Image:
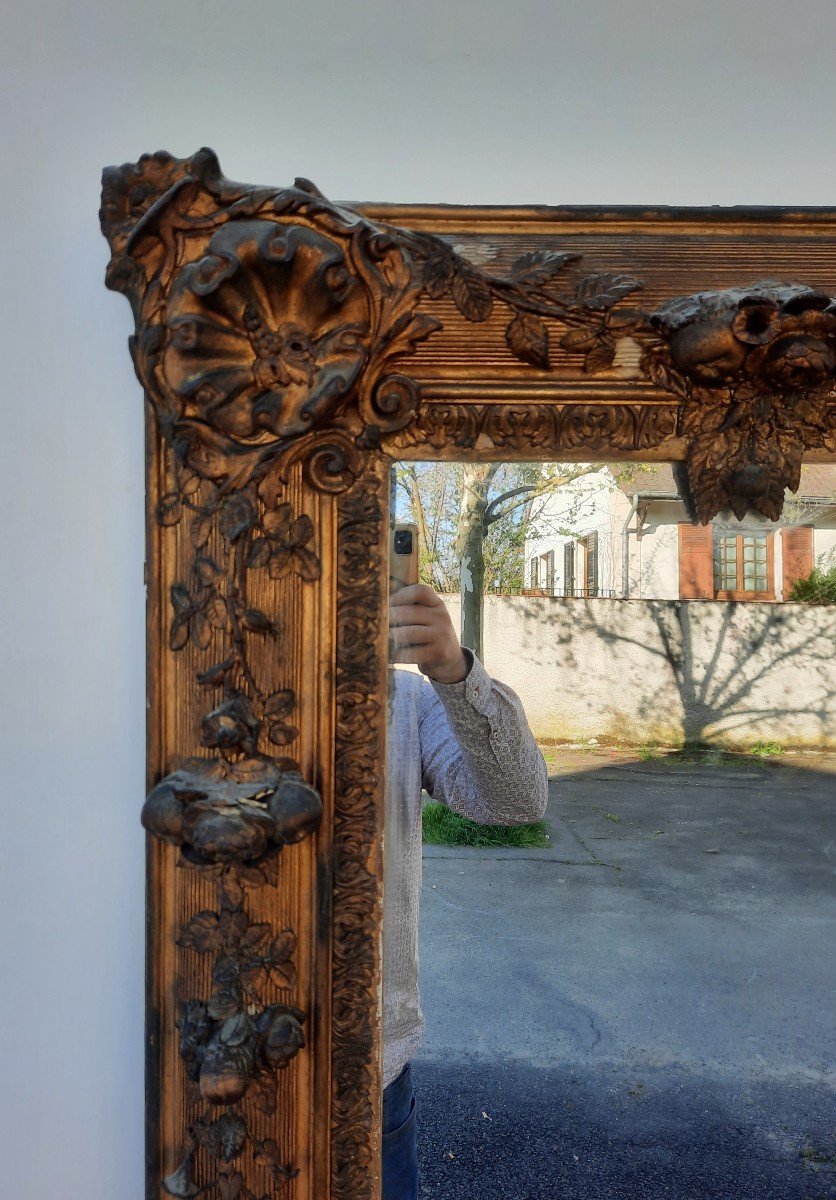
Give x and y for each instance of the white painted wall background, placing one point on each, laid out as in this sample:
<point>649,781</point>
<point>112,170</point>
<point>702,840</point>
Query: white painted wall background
<point>716,102</point>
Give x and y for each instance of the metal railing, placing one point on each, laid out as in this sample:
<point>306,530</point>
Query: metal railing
<point>553,590</point>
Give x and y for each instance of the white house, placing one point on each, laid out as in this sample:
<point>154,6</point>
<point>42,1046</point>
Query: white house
<point>622,532</point>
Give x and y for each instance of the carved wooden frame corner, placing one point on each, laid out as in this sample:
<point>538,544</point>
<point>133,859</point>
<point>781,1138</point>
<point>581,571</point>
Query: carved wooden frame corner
<point>289,348</point>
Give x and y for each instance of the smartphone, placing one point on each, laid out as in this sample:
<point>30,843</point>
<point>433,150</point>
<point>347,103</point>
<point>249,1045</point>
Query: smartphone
<point>403,556</point>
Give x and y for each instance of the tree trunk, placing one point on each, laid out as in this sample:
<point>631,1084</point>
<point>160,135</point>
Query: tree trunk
<point>470,549</point>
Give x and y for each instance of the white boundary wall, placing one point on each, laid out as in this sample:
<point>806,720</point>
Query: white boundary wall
<point>639,671</point>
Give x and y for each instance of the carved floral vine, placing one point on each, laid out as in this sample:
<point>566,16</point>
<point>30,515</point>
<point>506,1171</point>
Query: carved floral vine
<point>232,1045</point>
<point>535,290</point>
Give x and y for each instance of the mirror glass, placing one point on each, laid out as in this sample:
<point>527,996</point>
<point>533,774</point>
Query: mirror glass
<point>609,838</point>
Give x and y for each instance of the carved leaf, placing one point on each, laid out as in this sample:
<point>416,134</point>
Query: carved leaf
<point>602,291</point>
<point>180,598</point>
<point>528,339</point>
<point>540,266</point>
<point>279,704</point>
<point>280,564</point>
<point>179,633</point>
<point>599,358</point>
<point>180,1183</point>
<point>206,570</point>
<point>258,554</point>
<point>237,516</point>
<point>302,530</point>
<point>625,320</point>
<point>282,735</point>
<point>279,959</point>
<point>471,294</point>
<point>418,330</point>
<point>253,975</point>
<point>256,876</point>
<point>201,528</point>
<point>201,933</point>
<point>268,1155</point>
<point>234,923</point>
<point>236,1030</point>
<point>579,339</point>
<point>282,947</point>
<point>255,938</point>
<point>224,1003</point>
<point>438,275</point>
<point>189,482</point>
<point>231,888</point>
<point>169,509</point>
<point>258,622</point>
<point>225,971</point>
<point>284,974</point>
<point>263,1093</point>
<point>277,520</point>
<point>202,630</point>
<point>310,567</point>
<point>229,1132</point>
<point>230,1187</point>
<point>216,613</point>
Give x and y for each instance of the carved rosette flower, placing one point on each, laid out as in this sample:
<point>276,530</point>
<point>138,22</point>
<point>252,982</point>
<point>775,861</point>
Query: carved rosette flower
<point>224,812</point>
<point>267,332</point>
<point>783,336</point>
<point>755,367</point>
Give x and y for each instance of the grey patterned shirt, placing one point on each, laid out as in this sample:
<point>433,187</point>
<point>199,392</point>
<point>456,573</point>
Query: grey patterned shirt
<point>468,744</point>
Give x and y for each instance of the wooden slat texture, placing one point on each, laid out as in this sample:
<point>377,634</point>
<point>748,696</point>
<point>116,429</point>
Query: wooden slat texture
<point>696,562</point>
<point>796,555</point>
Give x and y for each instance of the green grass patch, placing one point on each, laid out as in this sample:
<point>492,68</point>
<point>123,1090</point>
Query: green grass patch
<point>445,828</point>
<point>767,749</point>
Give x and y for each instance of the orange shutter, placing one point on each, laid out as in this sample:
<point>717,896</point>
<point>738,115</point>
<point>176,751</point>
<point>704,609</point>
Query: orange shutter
<point>696,562</point>
<point>797,554</point>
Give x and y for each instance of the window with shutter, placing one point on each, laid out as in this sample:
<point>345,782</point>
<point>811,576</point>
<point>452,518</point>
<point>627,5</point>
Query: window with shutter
<point>744,565</point>
<point>548,571</point>
<point>796,555</point>
<point>591,542</point>
<point>696,562</point>
<point>569,569</point>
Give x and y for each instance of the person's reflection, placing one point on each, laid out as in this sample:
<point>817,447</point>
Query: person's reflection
<point>463,737</point>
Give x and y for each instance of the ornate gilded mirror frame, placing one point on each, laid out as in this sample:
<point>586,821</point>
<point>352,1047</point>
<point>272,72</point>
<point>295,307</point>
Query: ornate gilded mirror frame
<point>289,348</point>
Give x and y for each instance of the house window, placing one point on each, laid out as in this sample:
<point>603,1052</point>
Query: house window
<point>534,572</point>
<point>590,554</point>
<point>548,570</point>
<point>743,566</point>
<point>569,568</point>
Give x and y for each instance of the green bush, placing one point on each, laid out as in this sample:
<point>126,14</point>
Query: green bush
<point>819,587</point>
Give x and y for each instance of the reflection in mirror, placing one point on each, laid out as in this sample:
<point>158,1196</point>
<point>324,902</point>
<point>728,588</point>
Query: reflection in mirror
<point>618,898</point>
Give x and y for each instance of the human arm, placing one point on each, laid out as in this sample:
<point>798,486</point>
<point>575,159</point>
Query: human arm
<point>478,755</point>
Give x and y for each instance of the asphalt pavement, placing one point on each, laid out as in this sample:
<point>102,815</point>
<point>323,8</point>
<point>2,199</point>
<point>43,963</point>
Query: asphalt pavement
<point>646,1008</point>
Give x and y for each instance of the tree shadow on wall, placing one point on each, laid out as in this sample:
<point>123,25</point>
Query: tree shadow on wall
<point>720,673</point>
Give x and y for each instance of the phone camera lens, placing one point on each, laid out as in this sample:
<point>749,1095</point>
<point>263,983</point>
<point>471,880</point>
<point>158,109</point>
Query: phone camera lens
<point>403,541</point>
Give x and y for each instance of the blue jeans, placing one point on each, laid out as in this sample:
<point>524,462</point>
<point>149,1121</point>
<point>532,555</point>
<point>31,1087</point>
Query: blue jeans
<point>400,1142</point>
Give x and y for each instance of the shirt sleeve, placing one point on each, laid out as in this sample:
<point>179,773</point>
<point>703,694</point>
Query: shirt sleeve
<point>478,755</point>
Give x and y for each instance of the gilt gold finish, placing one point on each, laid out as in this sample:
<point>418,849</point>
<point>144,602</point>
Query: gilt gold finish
<point>288,349</point>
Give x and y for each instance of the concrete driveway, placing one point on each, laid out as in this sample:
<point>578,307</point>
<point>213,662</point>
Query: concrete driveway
<point>646,1008</point>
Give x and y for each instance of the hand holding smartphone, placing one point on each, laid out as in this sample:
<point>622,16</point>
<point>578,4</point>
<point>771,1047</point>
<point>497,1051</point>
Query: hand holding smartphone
<point>403,562</point>
<point>403,556</point>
